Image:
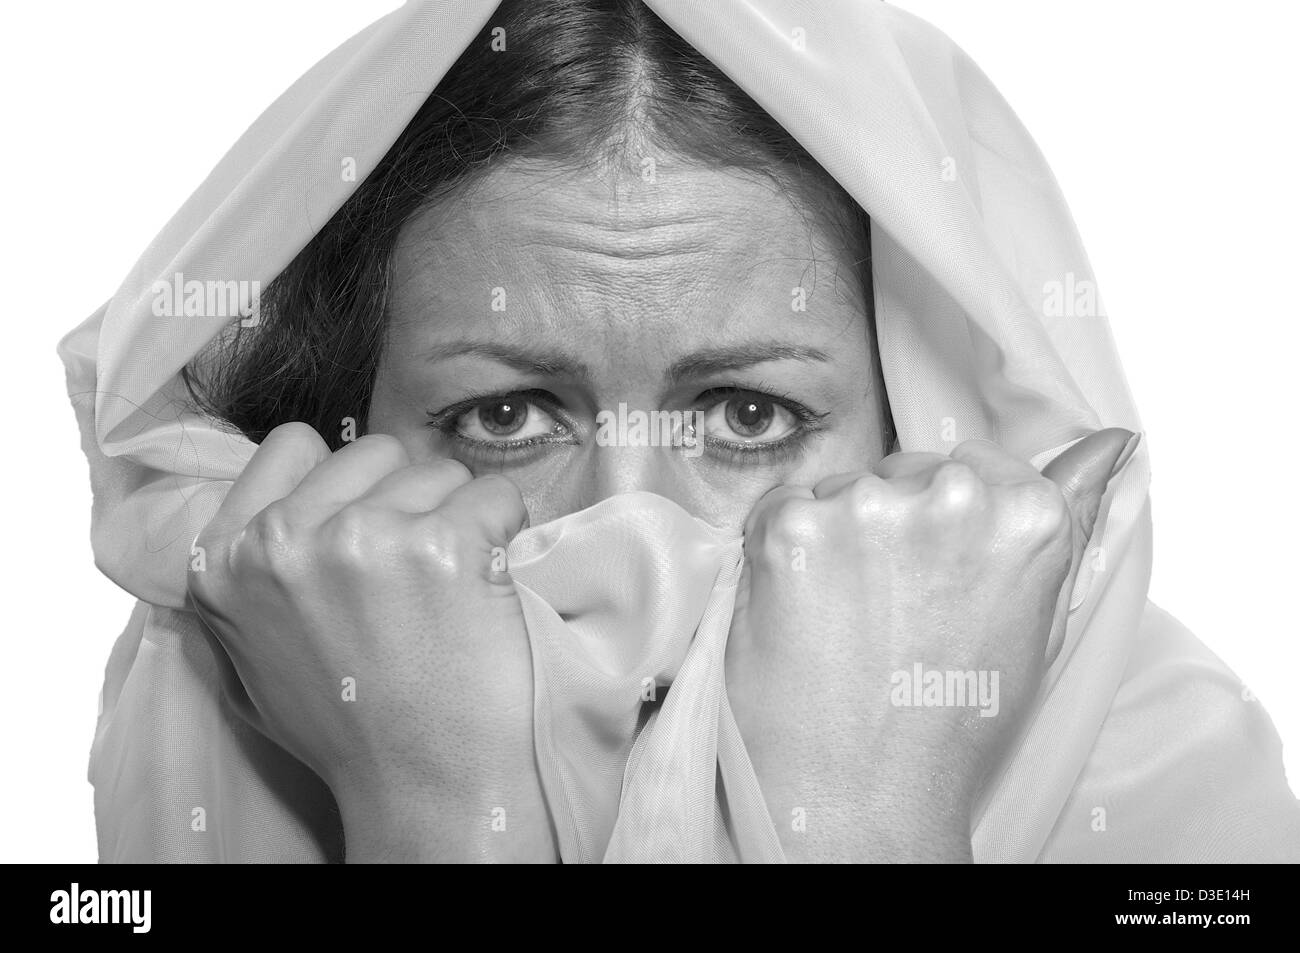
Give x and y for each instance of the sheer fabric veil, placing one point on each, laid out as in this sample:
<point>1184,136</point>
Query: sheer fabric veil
<point>1141,746</point>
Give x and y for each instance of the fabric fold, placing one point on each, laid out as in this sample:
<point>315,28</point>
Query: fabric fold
<point>989,325</point>
<point>625,602</point>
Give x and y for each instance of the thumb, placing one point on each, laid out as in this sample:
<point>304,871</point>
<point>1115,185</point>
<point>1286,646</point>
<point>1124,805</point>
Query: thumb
<point>490,513</point>
<point>1083,471</point>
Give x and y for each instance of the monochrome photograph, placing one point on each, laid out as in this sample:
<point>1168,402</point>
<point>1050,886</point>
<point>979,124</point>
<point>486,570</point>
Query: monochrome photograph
<point>653,431</point>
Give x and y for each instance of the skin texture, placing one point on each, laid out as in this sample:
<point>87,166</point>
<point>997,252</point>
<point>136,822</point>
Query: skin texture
<point>376,562</point>
<point>621,279</point>
<point>960,563</point>
<point>327,571</point>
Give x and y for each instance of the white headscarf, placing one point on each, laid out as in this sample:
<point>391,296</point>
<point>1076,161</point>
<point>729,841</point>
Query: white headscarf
<point>1141,745</point>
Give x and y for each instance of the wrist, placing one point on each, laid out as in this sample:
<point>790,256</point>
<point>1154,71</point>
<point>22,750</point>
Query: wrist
<point>405,822</point>
<point>889,815</point>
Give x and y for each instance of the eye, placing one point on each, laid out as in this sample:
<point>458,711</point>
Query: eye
<point>746,417</point>
<point>506,420</point>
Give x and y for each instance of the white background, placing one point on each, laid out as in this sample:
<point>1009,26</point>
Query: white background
<point>1171,127</point>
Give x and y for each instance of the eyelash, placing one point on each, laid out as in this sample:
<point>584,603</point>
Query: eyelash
<point>444,421</point>
<point>778,451</point>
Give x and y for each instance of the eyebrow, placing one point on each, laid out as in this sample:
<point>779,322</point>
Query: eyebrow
<point>521,359</point>
<point>717,360</point>
<point>699,364</point>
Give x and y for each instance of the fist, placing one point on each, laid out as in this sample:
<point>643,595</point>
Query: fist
<point>366,608</point>
<point>891,630</point>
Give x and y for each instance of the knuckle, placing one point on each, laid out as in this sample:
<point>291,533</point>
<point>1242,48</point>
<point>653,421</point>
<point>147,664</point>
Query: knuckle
<point>458,473</point>
<point>498,485</point>
<point>866,499</point>
<point>791,523</point>
<point>266,543</point>
<point>972,447</point>
<point>438,545</point>
<point>349,537</point>
<point>954,486</point>
<point>294,436</point>
<point>1043,511</point>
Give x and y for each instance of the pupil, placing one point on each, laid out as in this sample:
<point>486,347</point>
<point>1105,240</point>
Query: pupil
<point>750,416</point>
<point>504,417</point>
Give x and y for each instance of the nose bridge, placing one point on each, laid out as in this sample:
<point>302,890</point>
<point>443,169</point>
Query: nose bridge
<point>626,468</point>
<point>636,445</point>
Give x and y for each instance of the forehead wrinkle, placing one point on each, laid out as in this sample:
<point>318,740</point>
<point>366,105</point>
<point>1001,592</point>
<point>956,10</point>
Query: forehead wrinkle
<point>610,212</point>
<point>660,240</point>
<point>627,259</point>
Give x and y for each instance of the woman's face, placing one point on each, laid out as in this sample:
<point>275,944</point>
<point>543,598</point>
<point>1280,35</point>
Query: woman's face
<point>543,322</point>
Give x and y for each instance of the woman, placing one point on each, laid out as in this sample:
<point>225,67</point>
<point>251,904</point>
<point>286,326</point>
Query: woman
<point>643,430</point>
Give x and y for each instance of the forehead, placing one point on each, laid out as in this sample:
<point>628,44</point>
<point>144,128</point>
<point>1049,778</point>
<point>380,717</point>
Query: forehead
<point>603,258</point>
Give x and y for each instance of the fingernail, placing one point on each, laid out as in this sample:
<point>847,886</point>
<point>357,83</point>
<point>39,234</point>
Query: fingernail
<point>1126,454</point>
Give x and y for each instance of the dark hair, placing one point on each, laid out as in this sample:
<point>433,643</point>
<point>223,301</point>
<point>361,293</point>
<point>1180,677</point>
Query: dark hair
<point>578,82</point>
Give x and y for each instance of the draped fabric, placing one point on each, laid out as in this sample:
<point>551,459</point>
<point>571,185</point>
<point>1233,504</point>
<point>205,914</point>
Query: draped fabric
<point>1141,745</point>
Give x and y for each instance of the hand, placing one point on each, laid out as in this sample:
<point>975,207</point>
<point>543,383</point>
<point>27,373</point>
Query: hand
<point>960,564</point>
<point>358,599</point>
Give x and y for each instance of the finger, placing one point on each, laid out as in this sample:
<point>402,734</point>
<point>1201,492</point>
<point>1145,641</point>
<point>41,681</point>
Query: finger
<point>771,501</point>
<point>1083,471</point>
<point>346,475</point>
<point>284,458</point>
<point>489,509</point>
<point>834,484</point>
<point>419,488</point>
<point>993,464</point>
<point>901,465</point>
